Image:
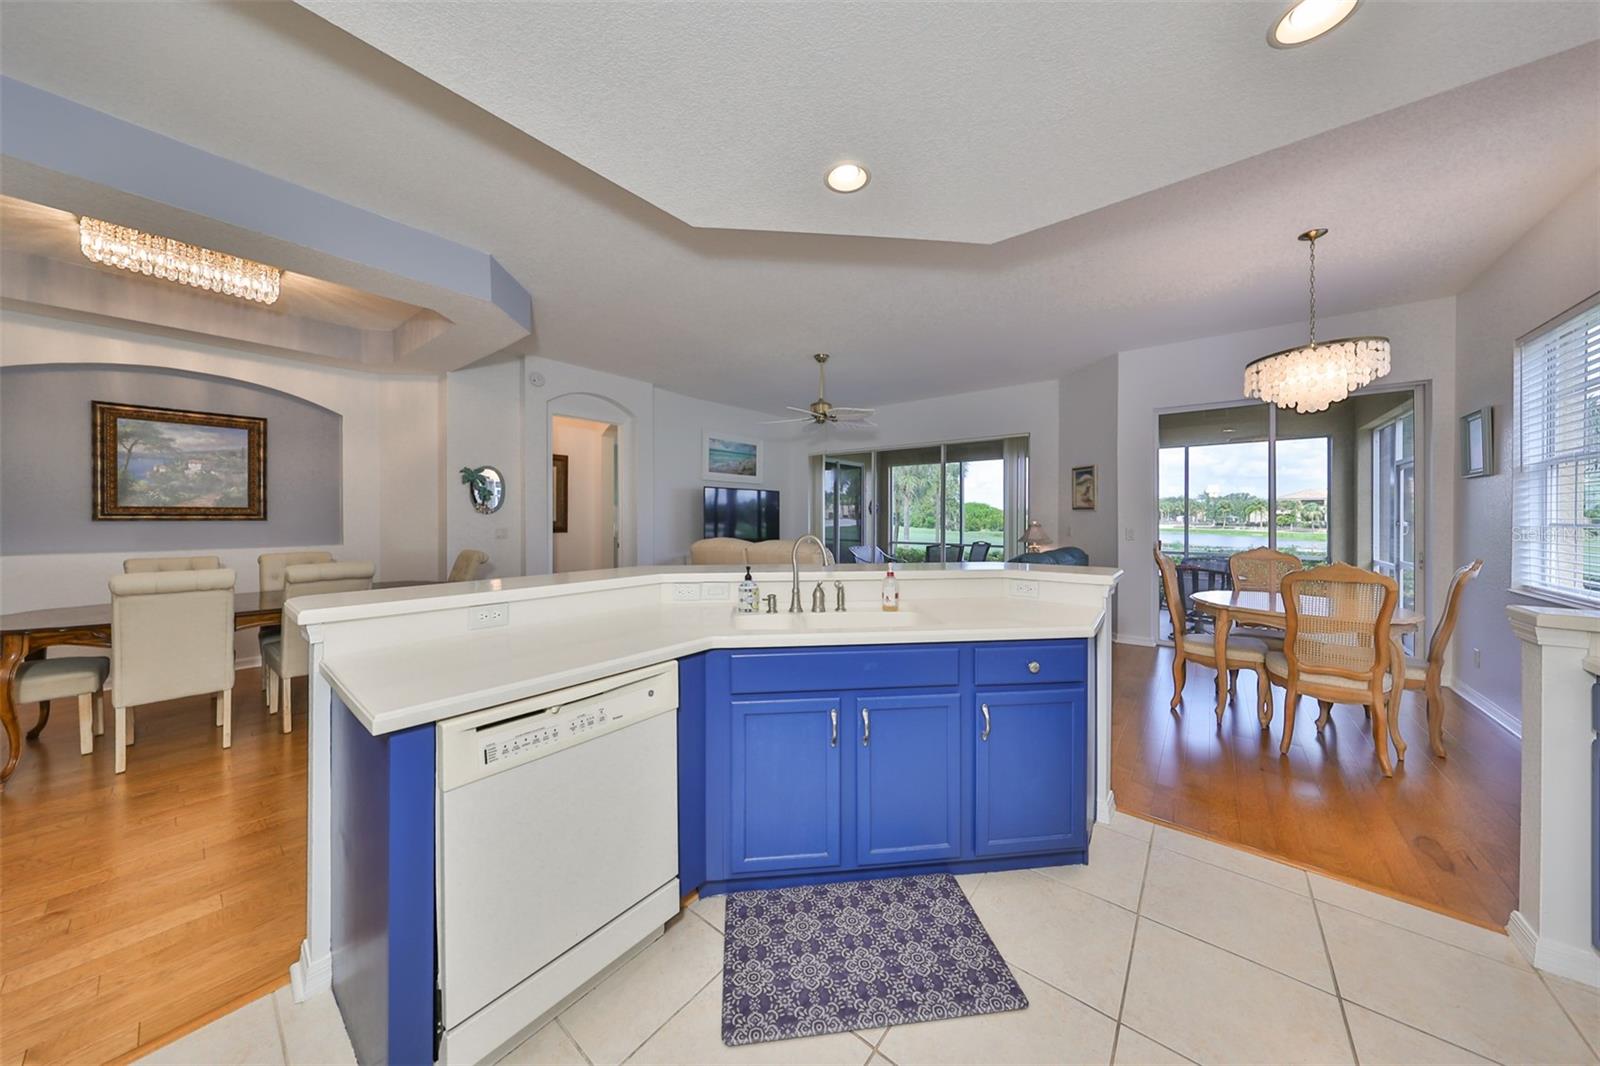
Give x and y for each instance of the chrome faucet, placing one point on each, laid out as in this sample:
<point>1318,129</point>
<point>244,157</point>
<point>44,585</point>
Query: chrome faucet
<point>794,565</point>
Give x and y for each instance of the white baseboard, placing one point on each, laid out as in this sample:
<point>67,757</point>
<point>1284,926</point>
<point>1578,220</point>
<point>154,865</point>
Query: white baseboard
<point>310,977</point>
<point>1137,639</point>
<point>1488,708</point>
<point>1579,963</point>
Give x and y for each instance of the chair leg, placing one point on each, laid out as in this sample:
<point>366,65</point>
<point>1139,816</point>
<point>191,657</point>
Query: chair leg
<point>216,715</point>
<point>285,688</point>
<point>1233,681</point>
<point>1380,729</point>
<point>133,720</point>
<point>100,713</point>
<point>225,710</point>
<point>121,739</point>
<point>1180,670</point>
<point>1435,717</point>
<point>1325,712</point>
<point>1396,694</point>
<point>1263,698</point>
<point>269,686</point>
<point>44,718</point>
<point>85,724</point>
<point>1291,698</point>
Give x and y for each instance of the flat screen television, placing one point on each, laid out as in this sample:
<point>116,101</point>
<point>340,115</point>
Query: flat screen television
<point>749,514</point>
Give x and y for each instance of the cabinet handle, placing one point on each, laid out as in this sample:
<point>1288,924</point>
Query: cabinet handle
<point>866,727</point>
<point>833,719</point>
<point>1033,666</point>
<point>984,707</point>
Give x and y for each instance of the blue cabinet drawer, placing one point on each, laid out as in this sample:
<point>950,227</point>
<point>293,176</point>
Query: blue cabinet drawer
<point>828,669</point>
<point>1058,663</point>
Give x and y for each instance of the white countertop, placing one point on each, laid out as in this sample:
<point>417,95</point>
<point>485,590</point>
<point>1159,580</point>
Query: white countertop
<point>400,685</point>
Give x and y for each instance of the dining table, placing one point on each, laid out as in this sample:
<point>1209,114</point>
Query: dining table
<point>1261,608</point>
<point>26,634</point>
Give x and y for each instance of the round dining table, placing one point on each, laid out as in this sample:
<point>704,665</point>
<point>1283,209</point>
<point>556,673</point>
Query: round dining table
<point>1228,606</point>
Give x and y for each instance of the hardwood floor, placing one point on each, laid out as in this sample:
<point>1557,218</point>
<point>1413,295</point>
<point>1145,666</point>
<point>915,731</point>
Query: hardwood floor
<point>133,906</point>
<point>1443,833</point>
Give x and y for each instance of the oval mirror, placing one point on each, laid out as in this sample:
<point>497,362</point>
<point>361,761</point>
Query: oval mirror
<point>486,487</point>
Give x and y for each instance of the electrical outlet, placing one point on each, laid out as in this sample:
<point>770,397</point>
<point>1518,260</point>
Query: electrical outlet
<point>713,590</point>
<point>489,615</point>
<point>1477,658</point>
<point>1129,534</point>
<point>1026,590</point>
<point>502,533</point>
<point>685,593</point>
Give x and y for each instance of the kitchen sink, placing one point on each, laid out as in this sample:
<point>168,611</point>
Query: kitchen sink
<point>785,622</point>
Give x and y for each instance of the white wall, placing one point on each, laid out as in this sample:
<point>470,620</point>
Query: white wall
<point>1552,267</point>
<point>390,439</point>
<point>584,546</point>
<point>1210,370</point>
<point>484,427</point>
<point>1089,437</point>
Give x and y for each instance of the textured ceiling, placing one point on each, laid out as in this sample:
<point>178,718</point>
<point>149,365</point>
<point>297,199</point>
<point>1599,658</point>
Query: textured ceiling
<point>1419,200</point>
<point>978,121</point>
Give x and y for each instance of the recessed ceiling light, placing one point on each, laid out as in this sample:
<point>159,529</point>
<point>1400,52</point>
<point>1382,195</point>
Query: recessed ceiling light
<point>1308,20</point>
<point>848,177</point>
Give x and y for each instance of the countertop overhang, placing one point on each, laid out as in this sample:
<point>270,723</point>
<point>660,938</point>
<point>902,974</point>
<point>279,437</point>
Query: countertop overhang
<point>398,684</point>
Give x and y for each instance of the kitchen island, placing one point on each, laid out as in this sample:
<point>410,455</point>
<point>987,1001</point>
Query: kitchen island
<point>968,731</point>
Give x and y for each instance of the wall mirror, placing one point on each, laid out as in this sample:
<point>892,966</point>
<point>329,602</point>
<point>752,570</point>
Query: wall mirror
<point>485,486</point>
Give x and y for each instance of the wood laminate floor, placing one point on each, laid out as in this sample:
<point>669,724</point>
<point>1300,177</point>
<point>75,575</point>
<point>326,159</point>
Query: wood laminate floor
<point>1441,832</point>
<point>134,906</point>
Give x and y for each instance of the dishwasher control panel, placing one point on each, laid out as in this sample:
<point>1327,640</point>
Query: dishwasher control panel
<point>473,746</point>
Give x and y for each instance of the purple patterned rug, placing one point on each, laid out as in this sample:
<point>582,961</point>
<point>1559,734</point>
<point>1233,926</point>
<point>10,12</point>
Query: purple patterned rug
<point>817,959</point>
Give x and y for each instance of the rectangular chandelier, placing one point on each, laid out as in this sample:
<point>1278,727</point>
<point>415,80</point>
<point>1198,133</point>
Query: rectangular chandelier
<point>189,264</point>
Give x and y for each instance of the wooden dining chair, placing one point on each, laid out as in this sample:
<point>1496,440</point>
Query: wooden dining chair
<point>1262,570</point>
<point>1337,649</point>
<point>1425,676</point>
<point>1244,653</point>
<point>465,568</point>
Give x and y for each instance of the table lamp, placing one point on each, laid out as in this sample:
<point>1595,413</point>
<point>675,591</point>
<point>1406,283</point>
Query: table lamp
<point>1034,538</point>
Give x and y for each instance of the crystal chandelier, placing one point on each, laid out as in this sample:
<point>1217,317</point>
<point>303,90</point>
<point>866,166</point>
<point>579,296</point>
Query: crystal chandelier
<point>1313,377</point>
<point>163,257</point>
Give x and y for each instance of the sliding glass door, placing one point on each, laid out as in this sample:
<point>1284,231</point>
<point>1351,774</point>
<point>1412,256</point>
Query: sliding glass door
<point>950,502</point>
<point>843,492</point>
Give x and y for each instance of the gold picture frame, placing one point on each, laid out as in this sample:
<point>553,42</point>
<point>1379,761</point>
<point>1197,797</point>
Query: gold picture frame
<point>1083,488</point>
<point>165,464</point>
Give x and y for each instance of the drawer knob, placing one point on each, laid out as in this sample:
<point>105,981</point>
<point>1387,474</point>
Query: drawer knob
<point>1033,666</point>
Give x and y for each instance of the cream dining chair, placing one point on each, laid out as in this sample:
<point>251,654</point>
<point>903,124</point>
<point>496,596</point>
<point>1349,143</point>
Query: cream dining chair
<point>1425,676</point>
<point>165,563</point>
<point>171,636</point>
<point>466,565</point>
<point>1244,653</point>
<point>1337,648</point>
<point>270,569</point>
<point>1261,570</point>
<point>288,656</point>
<point>79,676</point>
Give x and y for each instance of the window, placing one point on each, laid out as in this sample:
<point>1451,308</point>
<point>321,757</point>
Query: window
<point>1555,535</point>
<point>957,501</point>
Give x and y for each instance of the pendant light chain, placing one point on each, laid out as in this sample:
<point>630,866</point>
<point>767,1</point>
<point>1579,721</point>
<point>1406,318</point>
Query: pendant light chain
<point>1313,243</point>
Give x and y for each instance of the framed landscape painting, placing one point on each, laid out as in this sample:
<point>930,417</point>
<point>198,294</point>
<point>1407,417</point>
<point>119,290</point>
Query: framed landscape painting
<point>1083,488</point>
<point>153,462</point>
<point>726,457</point>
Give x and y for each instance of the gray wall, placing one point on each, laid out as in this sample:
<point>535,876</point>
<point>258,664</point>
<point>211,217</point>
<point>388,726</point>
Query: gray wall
<point>1088,401</point>
<point>46,464</point>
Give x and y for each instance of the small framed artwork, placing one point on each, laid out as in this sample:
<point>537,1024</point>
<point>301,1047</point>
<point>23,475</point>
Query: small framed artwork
<point>1083,488</point>
<point>1477,443</point>
<point>165,464</point>
<point>729,457</point>
<point>558,483</point>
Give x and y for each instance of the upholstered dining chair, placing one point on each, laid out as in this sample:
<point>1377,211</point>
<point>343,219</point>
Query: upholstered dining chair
<point>270,569</point>
<point>164,563</point>
<point>465,568</point>
<point>1425,676</point>
<point>81,677</point>
<point>1244,653</point>
<point>1336,648</point>
<point>1261,570</point>
<point>171,636</point>
<point>288,656</point>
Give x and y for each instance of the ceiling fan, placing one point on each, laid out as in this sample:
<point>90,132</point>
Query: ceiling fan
<point>823,413</point>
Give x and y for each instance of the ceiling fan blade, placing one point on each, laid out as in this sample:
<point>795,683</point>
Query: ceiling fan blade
<point>785,421</point>
<point>808,412</point>
<point>851,414</point>
<point>856,423</point>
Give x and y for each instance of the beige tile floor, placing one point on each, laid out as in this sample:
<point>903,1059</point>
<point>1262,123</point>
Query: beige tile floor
<point>1166,948</point>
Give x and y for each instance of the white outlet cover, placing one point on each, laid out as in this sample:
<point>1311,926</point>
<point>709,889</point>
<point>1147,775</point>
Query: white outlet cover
<point>714,590</point>
<point>1028,590</point>
<point>685,593</point>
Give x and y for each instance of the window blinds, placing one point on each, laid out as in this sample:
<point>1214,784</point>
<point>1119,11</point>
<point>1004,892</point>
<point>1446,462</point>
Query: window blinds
<point>1555,536</point>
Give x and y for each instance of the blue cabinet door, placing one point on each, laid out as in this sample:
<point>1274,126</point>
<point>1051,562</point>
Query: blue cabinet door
<point>908,778</point>
<point>785,787</point>
<point>1029,771</point>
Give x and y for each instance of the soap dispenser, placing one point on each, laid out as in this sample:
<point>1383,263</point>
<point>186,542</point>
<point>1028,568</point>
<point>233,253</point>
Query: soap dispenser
<point>749,593</point>
<point>891,591</point>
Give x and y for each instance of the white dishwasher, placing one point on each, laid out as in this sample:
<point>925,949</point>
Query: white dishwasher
<point>558,849</point>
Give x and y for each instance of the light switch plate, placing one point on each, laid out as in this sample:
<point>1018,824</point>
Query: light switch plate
<point>713,590</point>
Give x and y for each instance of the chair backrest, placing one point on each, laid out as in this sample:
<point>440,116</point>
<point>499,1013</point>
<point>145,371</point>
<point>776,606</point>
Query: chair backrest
<point>171,635</point>
<point>943,553</point>
<point>978,551</point>
<point>1172,596</point>
<point>465,568</point>
<point>1261,569</point>
<point>1338,620</point>
<point>862,554</point>
<point>316,579</point>
<point>273,564</point>
<point>166,563</point>
<point>1452,606</point>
